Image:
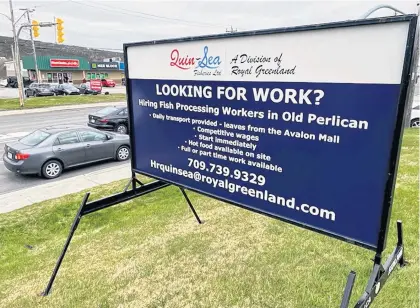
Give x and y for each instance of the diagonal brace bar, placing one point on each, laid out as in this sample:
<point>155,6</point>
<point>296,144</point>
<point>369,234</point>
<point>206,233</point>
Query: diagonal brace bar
<point>348,290</point>
<point>133,180</point>
<point>190,205</point>
<point>66,245</point>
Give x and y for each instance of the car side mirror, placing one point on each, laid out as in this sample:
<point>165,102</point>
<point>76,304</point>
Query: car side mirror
<point>108,137</point>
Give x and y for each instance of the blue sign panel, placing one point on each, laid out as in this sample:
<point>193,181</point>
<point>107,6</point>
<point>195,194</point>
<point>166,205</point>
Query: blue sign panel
<point>301,136</point>
<point>122,66</point>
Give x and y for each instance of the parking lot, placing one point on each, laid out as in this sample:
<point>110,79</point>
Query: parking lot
<point>13,92</point>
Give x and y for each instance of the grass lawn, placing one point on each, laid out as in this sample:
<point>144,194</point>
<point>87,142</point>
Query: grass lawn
<point>150,252</point>
<point>51,101</point>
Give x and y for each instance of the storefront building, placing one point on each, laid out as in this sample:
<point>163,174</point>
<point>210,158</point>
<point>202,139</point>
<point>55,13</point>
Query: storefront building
<point>56,69</point>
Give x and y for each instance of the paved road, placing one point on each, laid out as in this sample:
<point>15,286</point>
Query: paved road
<point>13,92</point>
<point>15,126</point>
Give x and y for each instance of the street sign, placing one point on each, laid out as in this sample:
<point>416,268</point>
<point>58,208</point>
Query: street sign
<point>301,124</point>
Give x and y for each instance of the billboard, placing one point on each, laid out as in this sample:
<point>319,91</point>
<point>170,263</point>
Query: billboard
<point>302,124</point>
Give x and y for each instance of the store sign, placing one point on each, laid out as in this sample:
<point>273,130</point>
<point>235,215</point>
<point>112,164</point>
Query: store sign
<point>105,65</point>
<point>69,63</point>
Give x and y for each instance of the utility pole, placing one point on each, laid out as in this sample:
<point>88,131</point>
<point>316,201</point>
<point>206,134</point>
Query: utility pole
<point>27,10</point>
<point>17,57</point>
<point>13,57</point>
<point>55,32</point>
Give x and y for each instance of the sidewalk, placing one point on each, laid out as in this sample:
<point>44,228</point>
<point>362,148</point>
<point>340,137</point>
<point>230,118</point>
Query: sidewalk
<point>63,107</point>
<point>49,190</point>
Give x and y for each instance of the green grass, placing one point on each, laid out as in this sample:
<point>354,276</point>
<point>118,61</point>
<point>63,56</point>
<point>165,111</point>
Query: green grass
<point>150,252</point>
<point>51,101</point>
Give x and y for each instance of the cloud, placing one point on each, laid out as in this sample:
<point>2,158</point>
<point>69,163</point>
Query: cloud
<point>107,23</point>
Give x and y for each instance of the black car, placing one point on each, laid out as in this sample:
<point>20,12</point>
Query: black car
<point>13,83</point>
<point>111,119</point>
<point>66,89</point>
<point>85,88</point>
<point>39,89</point>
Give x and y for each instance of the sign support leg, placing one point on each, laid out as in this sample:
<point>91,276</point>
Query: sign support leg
<point>348,289</point>
<point>66,245</point>
<point>379,274</point>
<point>190,205</point>
<point>133,180</point>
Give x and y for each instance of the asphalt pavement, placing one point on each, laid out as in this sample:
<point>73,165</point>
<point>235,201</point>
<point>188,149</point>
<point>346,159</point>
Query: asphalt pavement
<point>13,127</point>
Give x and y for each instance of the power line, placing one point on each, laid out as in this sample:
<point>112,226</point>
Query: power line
<point>169,18</point>
<point>146,15</point>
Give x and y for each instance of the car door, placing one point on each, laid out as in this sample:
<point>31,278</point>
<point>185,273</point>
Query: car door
<point>60,90</point>
<point>97,145</point>
<point>30,91</point>
<point>69,148</point>
<point>123,116</point>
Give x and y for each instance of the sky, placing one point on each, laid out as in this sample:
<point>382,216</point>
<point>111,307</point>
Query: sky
<point>108,24</point>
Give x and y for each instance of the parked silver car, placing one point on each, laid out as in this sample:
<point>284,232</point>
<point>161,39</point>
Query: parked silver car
<point>50,150</point>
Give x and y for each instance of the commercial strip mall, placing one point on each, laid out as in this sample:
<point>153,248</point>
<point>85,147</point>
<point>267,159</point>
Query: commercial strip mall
<point>61,69</point>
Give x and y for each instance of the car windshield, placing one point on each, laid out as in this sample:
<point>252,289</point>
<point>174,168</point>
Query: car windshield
<point>106,110</point>
<point>34,138</point>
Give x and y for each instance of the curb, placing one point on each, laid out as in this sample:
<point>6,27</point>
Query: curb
<point>21,198</point>
<point>57,108</point>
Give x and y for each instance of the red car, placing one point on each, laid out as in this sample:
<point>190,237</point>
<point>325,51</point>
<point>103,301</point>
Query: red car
<point>108,83</point>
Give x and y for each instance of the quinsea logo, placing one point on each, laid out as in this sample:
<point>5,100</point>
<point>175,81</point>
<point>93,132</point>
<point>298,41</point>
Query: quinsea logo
<point>204,65</point>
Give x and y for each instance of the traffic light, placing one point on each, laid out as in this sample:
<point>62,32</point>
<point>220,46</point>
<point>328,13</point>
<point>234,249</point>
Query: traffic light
<point>59,27</point>
<point>35,28</point>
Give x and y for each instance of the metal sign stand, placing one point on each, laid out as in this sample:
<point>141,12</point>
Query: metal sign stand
<point>378,277</point>
<point>91,207</point>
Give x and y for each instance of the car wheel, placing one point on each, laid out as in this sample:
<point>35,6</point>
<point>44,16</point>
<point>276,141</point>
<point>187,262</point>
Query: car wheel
<point>35,95</point>
<point>415,123</point>
<point>121,129</point>
<point>123,153</point>
<point>54,94</point>
<point>52,169</point>
<point>26,94</point>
